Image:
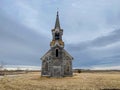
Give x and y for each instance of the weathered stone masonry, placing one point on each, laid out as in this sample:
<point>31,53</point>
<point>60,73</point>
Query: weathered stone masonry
<point>57,62</point>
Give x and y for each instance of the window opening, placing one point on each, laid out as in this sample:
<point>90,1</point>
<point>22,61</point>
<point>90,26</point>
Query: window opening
<point>56,52</point>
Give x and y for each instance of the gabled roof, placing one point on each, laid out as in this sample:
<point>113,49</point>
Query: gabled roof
<point>49,51</point>
<point>68,54</point>
<point>45,54</point>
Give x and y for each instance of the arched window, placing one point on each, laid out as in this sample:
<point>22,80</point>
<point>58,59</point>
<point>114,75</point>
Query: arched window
<point>68,67</point>
<point>46,66</point>
<point>56,52</point>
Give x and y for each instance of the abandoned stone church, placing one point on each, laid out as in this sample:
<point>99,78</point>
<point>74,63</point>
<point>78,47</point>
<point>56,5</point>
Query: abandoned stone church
<point>57,62</point>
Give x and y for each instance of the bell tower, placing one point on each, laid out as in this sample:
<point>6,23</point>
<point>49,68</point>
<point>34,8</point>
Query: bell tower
<point>57,33</point>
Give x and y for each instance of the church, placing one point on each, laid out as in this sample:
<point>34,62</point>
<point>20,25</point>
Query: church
<point>57,62</point>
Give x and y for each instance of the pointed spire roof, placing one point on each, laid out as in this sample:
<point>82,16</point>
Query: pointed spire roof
<point>57,23</point>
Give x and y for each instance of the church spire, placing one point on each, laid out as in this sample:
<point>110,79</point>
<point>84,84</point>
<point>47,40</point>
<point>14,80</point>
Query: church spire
<point>57,23</point>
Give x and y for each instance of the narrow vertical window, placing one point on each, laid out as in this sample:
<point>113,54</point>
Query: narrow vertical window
<point>56,52</point>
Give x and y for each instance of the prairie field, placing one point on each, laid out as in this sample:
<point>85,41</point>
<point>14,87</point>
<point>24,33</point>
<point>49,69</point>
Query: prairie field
<point>79,81</point>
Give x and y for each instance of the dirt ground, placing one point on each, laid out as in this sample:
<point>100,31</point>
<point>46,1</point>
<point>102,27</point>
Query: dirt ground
<point>80,81</point>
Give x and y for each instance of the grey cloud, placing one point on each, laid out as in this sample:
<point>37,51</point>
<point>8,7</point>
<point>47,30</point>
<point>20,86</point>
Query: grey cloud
<point>20,45</point>
<point>102,41</point>
<point>80,20</point>
<point>108,39</point>
<point>95,52</point>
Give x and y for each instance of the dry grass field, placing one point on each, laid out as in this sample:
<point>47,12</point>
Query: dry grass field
<point>80,81</point>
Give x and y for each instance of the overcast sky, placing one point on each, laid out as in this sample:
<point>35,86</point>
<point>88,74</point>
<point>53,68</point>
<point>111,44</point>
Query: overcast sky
<point>91,31</point>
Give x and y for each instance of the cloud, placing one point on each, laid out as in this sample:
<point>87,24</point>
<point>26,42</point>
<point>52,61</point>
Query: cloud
<point>91,30</point>
<point>21,67</point>
<point>103,41</point>
<point>102,50</point>
<point>87,20</point>
<point>106,67</point>
<point>20,45</point>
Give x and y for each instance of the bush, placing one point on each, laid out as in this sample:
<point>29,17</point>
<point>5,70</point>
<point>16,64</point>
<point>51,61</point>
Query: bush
<point>79,71</point>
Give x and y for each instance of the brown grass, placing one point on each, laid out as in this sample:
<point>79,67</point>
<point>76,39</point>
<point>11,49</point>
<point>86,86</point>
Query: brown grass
<point>82,81</point>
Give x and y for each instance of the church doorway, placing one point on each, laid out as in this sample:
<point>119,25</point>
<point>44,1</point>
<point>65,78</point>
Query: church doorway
<point>56,71</point>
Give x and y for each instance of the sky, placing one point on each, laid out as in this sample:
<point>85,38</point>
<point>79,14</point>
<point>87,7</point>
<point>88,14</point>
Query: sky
<point>91,31</point>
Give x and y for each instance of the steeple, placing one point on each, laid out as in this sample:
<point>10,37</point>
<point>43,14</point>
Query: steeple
<point>57,23</point>
<point>57,33</point>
